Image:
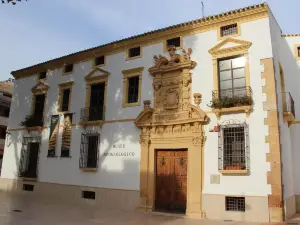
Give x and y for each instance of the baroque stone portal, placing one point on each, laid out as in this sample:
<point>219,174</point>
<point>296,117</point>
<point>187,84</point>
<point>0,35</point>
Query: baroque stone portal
<point>173,123</point>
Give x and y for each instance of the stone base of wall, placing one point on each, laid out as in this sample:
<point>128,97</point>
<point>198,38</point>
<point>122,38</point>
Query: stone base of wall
<point>290,207</point>
<point>49,192</point>
<point>257,209</point>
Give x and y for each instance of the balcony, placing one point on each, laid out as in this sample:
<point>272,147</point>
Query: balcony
<point>288,108</point>
<point>92,115</point>
<point>32,121</point>
<point>232,100</point>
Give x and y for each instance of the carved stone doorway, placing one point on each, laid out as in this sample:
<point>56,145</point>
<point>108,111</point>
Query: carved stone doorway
<point>173,123</point>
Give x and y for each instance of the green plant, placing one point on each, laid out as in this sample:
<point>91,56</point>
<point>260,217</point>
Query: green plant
<point>228,102</point>
<point>31,121</point>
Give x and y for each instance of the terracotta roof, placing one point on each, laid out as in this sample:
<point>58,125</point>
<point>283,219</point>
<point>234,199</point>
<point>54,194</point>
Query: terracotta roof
<point>173,27</point>
<point>6,87</point>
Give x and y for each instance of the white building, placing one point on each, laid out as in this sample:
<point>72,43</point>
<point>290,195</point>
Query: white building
<point>135,124</point>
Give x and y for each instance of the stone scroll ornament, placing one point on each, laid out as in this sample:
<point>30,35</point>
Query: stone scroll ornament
<point>54,127</point>
<point>66,135</point>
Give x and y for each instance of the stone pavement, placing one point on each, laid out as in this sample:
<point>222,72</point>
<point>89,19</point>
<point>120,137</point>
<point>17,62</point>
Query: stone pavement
<point>20,210</point>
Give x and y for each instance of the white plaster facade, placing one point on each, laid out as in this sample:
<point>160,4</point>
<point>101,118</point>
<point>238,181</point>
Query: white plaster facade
<point>122,172</point>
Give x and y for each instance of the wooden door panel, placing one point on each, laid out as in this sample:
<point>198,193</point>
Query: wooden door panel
<point>171,180</point>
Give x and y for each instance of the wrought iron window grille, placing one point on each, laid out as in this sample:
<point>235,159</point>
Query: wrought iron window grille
<point>133,89</point>
<point>89,153</point>
<point>233,145</point>
<point>25,157</point>
<point>235,204</point>
<point>174,42</point>
<point>229,30</point>
<point>133,52</point>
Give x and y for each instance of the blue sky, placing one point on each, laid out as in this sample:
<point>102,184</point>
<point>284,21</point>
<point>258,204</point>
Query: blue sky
<point>39,30</point>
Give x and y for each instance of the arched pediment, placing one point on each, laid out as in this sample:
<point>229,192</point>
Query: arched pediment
<point>230,45</point>
<point>97,73</point>
<point>198,114</point>
<point>40,88</point>
<point>144,118</point>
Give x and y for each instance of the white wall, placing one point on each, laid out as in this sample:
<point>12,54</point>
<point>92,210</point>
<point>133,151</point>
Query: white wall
<point>123,172</point>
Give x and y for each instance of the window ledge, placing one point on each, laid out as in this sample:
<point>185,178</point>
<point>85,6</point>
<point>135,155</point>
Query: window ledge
<point>35,128</point>
<point>54,156</point>
<point>288,117</point>
<point>91,123</point>
<point>125,105</point>
<point>132,58</point>
<point>89,169</point>
<point>28,179</point>
<point>246,109</point>
<point>242,172</point>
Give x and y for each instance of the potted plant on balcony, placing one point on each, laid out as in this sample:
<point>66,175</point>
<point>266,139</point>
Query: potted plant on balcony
<point>31,121</point>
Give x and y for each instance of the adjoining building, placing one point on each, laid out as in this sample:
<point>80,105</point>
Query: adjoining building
<point>198,118</point>
<point>6,88</point>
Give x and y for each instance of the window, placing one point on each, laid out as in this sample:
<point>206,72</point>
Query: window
<point>233,147</point>
<point>68,68</point>
<point>99,61</point>
<point>298,51</point>
<point>133,89</point>
<point>39,107</point>
<point>2,132</point>
<point>4,111</point>
<point>232,81</point>
<point>235,204</point>
<point>132,86</point>
<point>88,194</point>
<point>42,75</point>
<point>174,42</point>
<point>65,100</point>
<point>229,30</point>
<point>89,150</point>
<point>134,52</point>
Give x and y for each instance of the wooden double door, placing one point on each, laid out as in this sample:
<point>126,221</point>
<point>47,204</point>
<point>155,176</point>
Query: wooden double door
<point>171,180</point>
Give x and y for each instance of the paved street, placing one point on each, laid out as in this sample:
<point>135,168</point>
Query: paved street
<point>19,210</point>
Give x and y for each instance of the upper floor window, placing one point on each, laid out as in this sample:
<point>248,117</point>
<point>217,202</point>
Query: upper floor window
<point>233,147</point>
<point>232,81</point>
<point>132,86</point>
<point>298,51</point>
<point>134,52</point>
<point>229,30</point>
<point>133,89</point>
<point>68,68</point>
<point>42,75</point>
<point>65,100</point>
<point>39,106</point>
<point>100,60</point>
<point>4,111</point>
<point>174,42</point>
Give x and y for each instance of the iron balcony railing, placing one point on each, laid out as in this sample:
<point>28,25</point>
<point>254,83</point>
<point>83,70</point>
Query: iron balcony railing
<point>232,97</point>
<point>92,113</point>
<point>288,103</point>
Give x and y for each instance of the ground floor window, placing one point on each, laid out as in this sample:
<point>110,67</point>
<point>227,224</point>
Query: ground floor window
<point>89,149</point>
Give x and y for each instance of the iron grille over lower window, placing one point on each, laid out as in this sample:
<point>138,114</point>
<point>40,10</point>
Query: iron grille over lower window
<point>174,42</point>
<point>133,89</point>
<point>28,187</point>
<point>89,150</point>
<point>133,52</point>
<point>229,30</point>
<point>28,166</point>
<point>235,204</point>
<point>233,147</point>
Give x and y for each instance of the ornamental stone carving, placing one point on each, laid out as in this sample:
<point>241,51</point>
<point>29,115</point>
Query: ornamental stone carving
<point>197,98</point>
<point>171,99</point>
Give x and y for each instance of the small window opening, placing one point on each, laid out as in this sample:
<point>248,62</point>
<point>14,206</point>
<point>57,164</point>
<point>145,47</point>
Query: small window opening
<point>174,42</point>
<point>235,204</point>
<point>28,187</point>
<point>88,194</point>
<point>133,52</point>
<point>229,30</point>
<point>68,68</point>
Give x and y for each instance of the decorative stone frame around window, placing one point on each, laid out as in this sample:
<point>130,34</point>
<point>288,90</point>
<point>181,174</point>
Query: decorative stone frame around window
<point>233,145</point>
<point>129,57</point>
<point>239,48</point>
<point>96,76</point>
<point>165,43</point>
<point>297,51</point>
<point>127,74</point>
<point>238,28</point>
<point>62,87</point>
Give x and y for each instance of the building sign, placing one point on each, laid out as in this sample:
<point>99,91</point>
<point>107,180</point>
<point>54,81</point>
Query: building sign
<point>119,154</point>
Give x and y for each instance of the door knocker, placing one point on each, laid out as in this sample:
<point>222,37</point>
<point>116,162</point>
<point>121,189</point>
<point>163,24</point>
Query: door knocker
<point>163,161</point>
<point>181,161</point>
